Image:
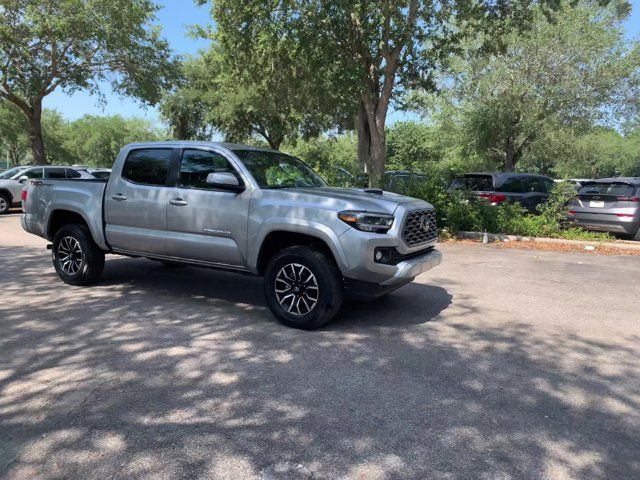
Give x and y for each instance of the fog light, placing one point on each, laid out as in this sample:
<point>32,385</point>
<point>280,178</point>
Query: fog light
<point>378,256</point>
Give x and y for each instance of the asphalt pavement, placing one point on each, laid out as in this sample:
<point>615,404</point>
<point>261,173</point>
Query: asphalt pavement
<point>498,364</point>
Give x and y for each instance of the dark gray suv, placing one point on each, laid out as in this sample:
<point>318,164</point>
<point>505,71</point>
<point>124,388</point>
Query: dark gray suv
<point>608,205</point>
<point>530,190</point>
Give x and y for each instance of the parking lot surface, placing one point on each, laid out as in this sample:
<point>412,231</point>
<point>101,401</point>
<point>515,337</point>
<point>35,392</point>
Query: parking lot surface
<point>498,364</point>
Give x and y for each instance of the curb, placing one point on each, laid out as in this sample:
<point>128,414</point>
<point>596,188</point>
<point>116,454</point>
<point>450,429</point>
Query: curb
<point>493,237</point>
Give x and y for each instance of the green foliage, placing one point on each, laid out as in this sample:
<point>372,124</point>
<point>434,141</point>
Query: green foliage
<point>576,70</point>
<point>459,213</point>
<point>79,44</point>
<point>13,138</point>
<point>74,44</point>
<point>95,141</point>
<point>333,157</point>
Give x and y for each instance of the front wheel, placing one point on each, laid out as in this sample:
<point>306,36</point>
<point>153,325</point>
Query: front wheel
<point>76,257</point>
<point>303,287</point>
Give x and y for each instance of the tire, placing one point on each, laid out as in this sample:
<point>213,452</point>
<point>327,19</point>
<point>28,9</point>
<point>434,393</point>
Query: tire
<point>5,203</point>
<point>73,241</point>
<point>317,298</point>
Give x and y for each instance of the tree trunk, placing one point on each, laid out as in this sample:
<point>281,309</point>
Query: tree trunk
<point>378,160</point>
<point>35,134</point>
<point>364,139</point>
<point>274,143</point>
<point>376,110</point>
<point>509,155</point>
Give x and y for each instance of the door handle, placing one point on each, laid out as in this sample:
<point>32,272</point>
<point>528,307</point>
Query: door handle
<point>178,202</point>
<point>119,197</point>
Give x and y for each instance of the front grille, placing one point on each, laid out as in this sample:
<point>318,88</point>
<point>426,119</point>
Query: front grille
<point>420,227</point>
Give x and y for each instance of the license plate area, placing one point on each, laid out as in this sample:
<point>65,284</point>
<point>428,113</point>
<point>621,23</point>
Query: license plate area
<point>596,203</point>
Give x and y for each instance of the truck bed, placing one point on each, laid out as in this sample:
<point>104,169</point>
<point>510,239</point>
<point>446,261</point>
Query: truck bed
<point>82,196</point>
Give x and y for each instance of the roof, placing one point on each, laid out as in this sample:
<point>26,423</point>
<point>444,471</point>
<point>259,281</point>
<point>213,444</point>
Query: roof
<point>631,180</point>
<point>197,143</point>
<point>505,174</point>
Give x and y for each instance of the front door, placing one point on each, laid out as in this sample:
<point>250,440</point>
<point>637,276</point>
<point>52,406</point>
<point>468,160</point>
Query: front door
<point>136,203</point>
<point>206,224</point>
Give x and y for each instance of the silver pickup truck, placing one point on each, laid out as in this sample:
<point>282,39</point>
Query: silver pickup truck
<point>238,208</point>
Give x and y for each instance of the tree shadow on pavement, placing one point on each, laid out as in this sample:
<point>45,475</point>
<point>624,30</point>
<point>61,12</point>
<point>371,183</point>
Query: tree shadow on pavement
<point>157,373</point>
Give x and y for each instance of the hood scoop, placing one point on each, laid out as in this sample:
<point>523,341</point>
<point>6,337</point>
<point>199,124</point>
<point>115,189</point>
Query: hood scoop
<point>375,191</point>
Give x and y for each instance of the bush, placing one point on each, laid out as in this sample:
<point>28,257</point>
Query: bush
<point>456,212</point>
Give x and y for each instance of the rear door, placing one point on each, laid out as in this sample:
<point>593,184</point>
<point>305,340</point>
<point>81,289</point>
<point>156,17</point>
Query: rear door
<point>136,202</point>
<point>203,223</point>
<point>536,192</point>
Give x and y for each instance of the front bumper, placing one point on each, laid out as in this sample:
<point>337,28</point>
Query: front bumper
<point>359,251</point>
<point>409,269</point>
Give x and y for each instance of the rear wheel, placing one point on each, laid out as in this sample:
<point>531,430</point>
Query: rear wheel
<point>5,203</point>
<point>76,257</point>
<point>303,287</point>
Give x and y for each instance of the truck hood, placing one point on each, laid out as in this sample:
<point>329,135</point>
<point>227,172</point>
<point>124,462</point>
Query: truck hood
<point>349,198</point>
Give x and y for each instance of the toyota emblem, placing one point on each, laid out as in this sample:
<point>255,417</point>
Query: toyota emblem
<point>425,223</point>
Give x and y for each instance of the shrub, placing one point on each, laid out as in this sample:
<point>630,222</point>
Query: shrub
<point>456,212</point>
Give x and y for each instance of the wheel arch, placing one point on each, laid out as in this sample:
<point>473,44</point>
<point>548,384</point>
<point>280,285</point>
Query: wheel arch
<point>277,240</point>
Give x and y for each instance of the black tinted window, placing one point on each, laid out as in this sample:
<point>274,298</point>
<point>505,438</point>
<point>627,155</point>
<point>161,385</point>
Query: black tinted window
<point>148,167</point>
<point>605,188</point>
<point>512,185</point>
<point>197,164</point>
<point>55,173</point>
<point>34,173</point>
<point>477,183</point>
<point>71,173</point>
<point>534,184</point>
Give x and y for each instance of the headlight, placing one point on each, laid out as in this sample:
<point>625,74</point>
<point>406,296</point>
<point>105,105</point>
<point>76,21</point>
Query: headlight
<point>367,221</point>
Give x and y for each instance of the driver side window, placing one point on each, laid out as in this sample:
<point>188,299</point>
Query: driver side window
<point>198,164</point>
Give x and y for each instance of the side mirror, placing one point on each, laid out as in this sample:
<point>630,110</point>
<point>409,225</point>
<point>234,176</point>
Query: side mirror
<point>224,181</point>
<point>23,179</point>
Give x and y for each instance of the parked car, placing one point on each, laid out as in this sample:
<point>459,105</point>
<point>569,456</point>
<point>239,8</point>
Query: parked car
<point>530,190</point>
<point>13,181</point>
<point>243,209</point>
<point>608,205</point>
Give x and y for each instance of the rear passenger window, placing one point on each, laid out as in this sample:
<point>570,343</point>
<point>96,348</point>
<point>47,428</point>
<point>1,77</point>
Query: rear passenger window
<point>55,173</point>
<point>198,164</point>
<point>71,173</point>
<point>512,185</point>
<point>147,167</point>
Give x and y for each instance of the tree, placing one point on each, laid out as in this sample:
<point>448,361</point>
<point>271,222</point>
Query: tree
<point>184,107</point>
<point>13,134</point>
<point>96,140</point>
<point>77,44</point>
<point>271,96</point>
<point>577,70</point>
<point>368,50</point>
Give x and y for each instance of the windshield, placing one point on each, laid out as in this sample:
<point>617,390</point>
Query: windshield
<point>12,172</point>
<point>606,188</point>
<point>277,170</point>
